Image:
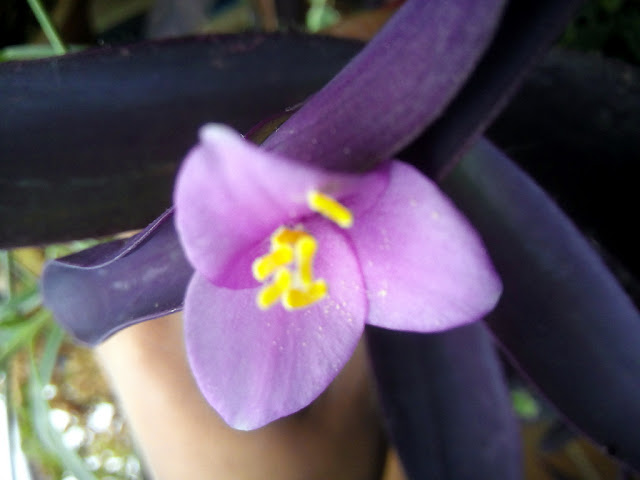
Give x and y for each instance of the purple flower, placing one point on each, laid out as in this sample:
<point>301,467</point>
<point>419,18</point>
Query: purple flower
<point>291,261</point>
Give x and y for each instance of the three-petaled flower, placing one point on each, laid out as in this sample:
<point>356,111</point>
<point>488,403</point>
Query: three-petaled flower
<point>291,261</point>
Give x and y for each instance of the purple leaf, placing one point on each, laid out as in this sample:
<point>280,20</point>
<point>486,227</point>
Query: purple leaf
<point>446,404</point>
<point>399,84</point>
<point>574,128</point>
<point>99,291</point>
<point>91,135</point>
<point>528,28</point>
<point>562,318</point>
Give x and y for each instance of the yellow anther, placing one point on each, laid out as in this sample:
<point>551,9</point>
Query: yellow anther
<point>290,260</point>
<point>330,208</point>
<point>286,236</point>
<point>294,298</point>
<point>264,266</point>
<point>271,293</point>
<point>305,250</point>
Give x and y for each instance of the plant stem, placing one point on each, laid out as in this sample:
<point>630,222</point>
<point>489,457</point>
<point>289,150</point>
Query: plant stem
<point>47,27</point>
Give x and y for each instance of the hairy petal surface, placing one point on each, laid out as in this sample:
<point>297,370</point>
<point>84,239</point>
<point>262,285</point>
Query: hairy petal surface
<point>255,366</point>
<point>230,195</point>
<point>425,267</point>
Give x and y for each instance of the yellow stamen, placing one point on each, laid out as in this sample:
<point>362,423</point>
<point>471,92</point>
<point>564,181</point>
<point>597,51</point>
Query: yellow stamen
<point>294,298</point>
<point>264,266</point>
<point>290,260</point>
<point>286,236</point>
<point>330,208</point>
<point>305,250</point>
<point>270,293</point>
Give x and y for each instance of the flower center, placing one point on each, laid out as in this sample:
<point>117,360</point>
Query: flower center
<point>287,270</point>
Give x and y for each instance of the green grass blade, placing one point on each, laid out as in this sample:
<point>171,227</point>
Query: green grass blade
<point>48,435</point>
<point>22,304</point>
<point>18,333</point>
<point>47,27</point>
<point>50,353</point>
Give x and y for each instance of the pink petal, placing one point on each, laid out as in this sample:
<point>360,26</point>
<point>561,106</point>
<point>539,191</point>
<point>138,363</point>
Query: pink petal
<point>256,366</point>
<point>230,196</point>
<point>425,267</point>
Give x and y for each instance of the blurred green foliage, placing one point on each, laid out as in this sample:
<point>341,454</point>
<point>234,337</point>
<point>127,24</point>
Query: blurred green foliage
<point>611,27</point>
